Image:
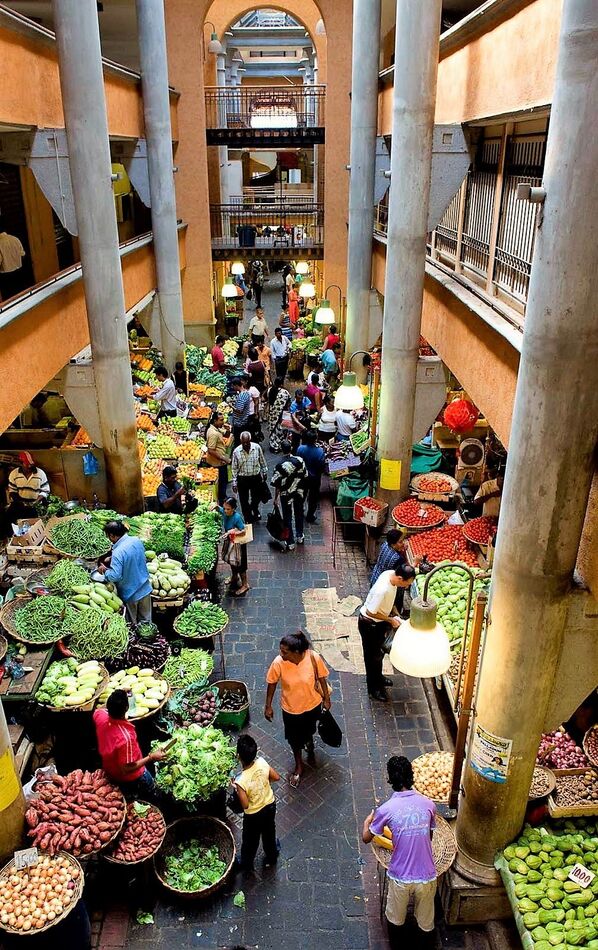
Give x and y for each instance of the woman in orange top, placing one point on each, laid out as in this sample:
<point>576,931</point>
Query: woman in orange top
<point>293,307</point>
<point>302,676</point>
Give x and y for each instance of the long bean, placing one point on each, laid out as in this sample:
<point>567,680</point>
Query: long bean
<point>80,538</point>
<point>65,575</point>
<point>95,638</point>
<point>43,620</point>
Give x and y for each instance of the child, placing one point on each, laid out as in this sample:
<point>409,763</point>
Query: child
<point>259,805</point>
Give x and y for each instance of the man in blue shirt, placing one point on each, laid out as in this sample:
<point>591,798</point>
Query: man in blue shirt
<point>314,459</point>
<point>391,555</point>
<point>329,360</point>
<point>241,408</point>
<point>128,570</point>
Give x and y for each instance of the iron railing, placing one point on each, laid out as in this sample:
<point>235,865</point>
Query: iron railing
<point>279,224</point>
<point>265,107</point>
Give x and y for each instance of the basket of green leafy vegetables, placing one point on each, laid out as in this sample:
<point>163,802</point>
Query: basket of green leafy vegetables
<point>196,857</point>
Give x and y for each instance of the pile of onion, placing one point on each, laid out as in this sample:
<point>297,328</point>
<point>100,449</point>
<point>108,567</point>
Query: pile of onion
<point>35,897</point>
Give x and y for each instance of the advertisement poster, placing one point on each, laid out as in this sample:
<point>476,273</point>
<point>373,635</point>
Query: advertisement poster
<point>490,755</point>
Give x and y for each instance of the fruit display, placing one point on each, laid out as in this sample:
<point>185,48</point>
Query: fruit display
<point>64,576</point>
<point>97,637</point>
<point>434,483</point>
<point>195,704</point>
<point>175,424</point>
<point>145,423</point>
<point>146,648</point>
<point>444,544</point>
<point>43,620</point>
<point>200,412</point>
<point>146,688</point>
<point>150,483</point>
<point>142,834</point>
<point>168,579</point>
<point>208,475</point>
<point>144,392</point>
<point>432,775</point>
<point>417,514</point>
<point>198,764</point>
<point>70,683</point>
<point>189,666</point>
<point>449,588</point>
<point>162,447</point>
<point>201,619</point>
<point>82,437</point>
<point>79,537</point>
<point>80,813</point>
<point>96,596</point>
<point>191,450</point>
<point>576,789</point>
<point>480,530</point>
<point>559,751</point>
<point>36,897</point>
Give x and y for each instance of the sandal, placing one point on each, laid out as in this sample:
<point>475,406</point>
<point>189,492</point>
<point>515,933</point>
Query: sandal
<point>294,780</point>
<point>241,592</point>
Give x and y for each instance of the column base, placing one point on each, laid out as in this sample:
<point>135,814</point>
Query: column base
<point>472,902</point>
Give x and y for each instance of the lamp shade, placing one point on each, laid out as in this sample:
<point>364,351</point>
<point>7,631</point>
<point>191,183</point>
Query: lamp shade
<point>307,290</point>
<point>348,395</point>
<point>302,267</point>
<point>320,28</point>
<point>215,46</point>
<point>420,646</point>
<point>229,288</point>
<point>238,268</point>
<point>325,313</point>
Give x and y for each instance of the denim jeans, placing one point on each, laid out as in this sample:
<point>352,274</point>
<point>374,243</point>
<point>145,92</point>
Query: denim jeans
<point>292,505</point>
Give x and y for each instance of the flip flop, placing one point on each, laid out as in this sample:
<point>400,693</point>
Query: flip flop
<point>294,780</point>
<point>241,593</point>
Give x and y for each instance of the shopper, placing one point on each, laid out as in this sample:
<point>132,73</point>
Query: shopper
<point>302,675</point>
<point>257,283</point>
<point>376,619</point>
<point>490,493</point>
<point>166,394</point>
<point>258,327</point>
<point>119,749</point>
<point>411,818</point>
<point>265,355</point>
<point>126,566</point>
<point>332,337</point>
<point>280,346</point>
<point>315,462</point>
<point>314,393</point>
<point>290,481</point>
<point>256,370</point>
<point>285,272</point>
<point>257,799</point>
<point>299,410</point>
<point>218,441</point>
<point>179,378</point>
<point>327,420</point>
<point>170,492</point>
<point>346,424</point>
<point>249,475</point>
<point>217,354</point>
<point>329,359</point>
<point>293,302</point>
<point>234,554</point>
<point>284,322</point>
<point>241,408</point>
<point>278,399</point>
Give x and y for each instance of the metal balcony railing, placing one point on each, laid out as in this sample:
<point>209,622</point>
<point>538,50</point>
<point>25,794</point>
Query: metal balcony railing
<point>265,107</point>
<point>276,225</point>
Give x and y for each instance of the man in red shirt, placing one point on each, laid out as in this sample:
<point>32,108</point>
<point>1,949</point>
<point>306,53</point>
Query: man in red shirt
<point>332,337</point>
<point>218,357</point>
<point>119,749</point>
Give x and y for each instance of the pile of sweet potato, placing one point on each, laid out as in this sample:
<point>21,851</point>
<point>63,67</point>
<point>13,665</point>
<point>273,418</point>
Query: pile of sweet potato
<point>141,836</point>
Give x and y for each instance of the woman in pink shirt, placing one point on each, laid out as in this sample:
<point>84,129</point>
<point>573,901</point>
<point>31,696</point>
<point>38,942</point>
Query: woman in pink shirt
<point>293,307</point>
<point>313,392</point>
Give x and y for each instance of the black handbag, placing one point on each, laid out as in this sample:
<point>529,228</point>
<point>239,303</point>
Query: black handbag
<point>276,526</point>
<point>265,493</point>
<point>329,730</point>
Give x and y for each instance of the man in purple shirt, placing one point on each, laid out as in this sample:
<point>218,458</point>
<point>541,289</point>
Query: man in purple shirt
<point>411,874</point>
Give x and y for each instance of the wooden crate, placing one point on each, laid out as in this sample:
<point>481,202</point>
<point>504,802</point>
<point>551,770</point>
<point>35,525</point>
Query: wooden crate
<point>571,811</point>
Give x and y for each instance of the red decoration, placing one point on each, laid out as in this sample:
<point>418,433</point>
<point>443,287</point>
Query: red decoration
<point>460,416</point>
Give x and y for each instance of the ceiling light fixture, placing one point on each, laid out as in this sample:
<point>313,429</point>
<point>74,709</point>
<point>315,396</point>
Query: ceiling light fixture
<point>320,28</point>
<point>348,395</point>
<point>214,46</point>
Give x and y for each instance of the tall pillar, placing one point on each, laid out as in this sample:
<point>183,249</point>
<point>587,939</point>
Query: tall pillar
<point>414,97</point>
<point>550,463</point>
<point>364,125</point>
<point>156,108</point>
<point>223,122</point>
<point>12,800</point>
<point>82,85</point>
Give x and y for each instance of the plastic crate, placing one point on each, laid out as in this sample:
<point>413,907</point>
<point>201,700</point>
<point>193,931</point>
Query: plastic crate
<point>238,718</point>
<point>374,517</point>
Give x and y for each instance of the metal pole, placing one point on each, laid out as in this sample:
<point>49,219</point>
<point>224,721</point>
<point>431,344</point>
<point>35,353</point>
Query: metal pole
<point>156,108</point>
<point>550,464</point>
<point>414,97</point>
<point>223,123</point>
<point>364,125</point>
<point>84,104</point>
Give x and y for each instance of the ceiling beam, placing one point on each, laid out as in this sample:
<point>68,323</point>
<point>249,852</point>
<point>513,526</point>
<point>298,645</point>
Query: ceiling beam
<point>267,41</point>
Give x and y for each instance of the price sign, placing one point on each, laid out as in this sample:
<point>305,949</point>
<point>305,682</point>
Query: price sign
<point>581,875</point>
<point>27,858</point>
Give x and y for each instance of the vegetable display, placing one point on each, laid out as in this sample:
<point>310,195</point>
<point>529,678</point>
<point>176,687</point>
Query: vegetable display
<point>417,514</point>
<point>449,588</point>
<point>480,530</point>
<point>161,532</point>
<point>142,834</point>
<point>96,596</point>
<point>146,688</point>
<point>541,783</point>
<point>591,744</point>
<point>66,575</point>
<point>434,483</point>
<point>193,704</point>
<point>97,637</point>
<point>201,619</point>
<point>35,897</point>
<point>197,765</point>
<point>432,774</point>
<point>147,648</point>
<point>231,700</point>
<point>80,538</point>
<point>168,579</point>
<point>559,751</point>
<point>79,813</point>
<point>203,558</point>
<point>576,789</point>
<point>69,683</point>
<point>43,620</point>
<point>193,867</point>
<point>190,666</point>
<point>444,544</point>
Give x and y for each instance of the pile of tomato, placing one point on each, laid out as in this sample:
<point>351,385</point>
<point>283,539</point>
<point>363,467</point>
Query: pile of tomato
<point>480,530</point>
<point>444,544</point>
<point>434,483</point>
<point>417,514</point>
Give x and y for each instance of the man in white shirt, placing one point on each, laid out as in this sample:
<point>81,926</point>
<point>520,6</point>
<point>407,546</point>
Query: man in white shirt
<point>166,395</point>
<point>280,347</point>
<point>375,620</point>
<point>345,425</point>
<point>249,473</point>
<point>490,493</point>
<point>27,484</point>
<point>258,327</point>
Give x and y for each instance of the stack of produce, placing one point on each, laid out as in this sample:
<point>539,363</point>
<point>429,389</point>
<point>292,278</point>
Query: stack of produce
<point>444,544</point>
<point>191,450</point>
<point>201,412</point>
<point>146,688</point>
<point>80,813</point>
<point>65,576</point>
<point>142,835</point>
<point>542,780</point>
<point>44,620</point>
<point>96,596</point>
<point>576,789</point>
<point>97,637</point>
<point>198,764</point>
<point>193,867</point>
<point>69,683</point>
<point>102,516</point>
<point>417,514</point>
<point>232,700</point>
<point>480,530</point>
<point>432,775</point>
<point>203,560</point>
<point>35,897</point>
<point>230,348</point>
<point>144,423</point>
<point>79,537</point>
<point>174,424</point>
<point>194,358</point>
<point>194,704</point>
<point>201,619</point>
<point>590,744</point>
<point>208,475</point>
<point>161,533</point>
<point>188,667</point>
<point>147,648</point>
<point>559,751</point>
<point>82,437</point>
<point>162,447</point>
<point>449,588</point>
<point>168,579</point>
<point>215,383</point>
<point>144,392</point>
<point>359,441</point>
<point>434,483</point>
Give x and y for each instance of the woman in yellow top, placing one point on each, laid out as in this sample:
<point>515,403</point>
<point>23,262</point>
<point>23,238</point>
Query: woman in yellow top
<point>218,441</point>
<point>259,805</point>
<point>302,676</point>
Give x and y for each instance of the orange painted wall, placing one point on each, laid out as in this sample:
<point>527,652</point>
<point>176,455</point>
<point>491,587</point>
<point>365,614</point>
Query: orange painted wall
<point>509,68</point>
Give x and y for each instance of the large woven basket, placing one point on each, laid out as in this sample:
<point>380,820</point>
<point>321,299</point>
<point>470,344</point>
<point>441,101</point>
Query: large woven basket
<point>49,546</point>
<point>113,859</point>
<point>3,646</point>
<point>209,831</point>
<point>421,760</point>
<point>84,707</point>
<point>444,848</point>
<point>8,869</point>
<point>7,618</point>
<point>591,758</point>
<point>198,636</point>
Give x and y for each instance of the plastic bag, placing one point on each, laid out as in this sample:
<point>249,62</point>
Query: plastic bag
<point>91,466</point>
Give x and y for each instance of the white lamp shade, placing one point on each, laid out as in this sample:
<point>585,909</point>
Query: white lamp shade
<point>348,395</point>
<point>307,290</point>
<point>302,268</point>
<point>320,28</point>
<point>416,652</point>
<point>215,46</point>
<point>238,268</point>
<point>325,313</point>
<point>229,288</point>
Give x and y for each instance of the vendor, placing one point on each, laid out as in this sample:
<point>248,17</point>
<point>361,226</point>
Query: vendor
<point>119,749</point>
<point>180,378</point>
<point>490,493</point>
<point>128,570</point>
<point>27,484</point>
<point>170,492</point>
<point>346,425</point>
<point>166,395</point>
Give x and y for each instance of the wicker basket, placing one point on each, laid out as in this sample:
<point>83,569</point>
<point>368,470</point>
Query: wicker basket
<point>52,549</point>
<point>7,620</point>
<point>8,869</point>
<point>199,636</point>
<point>444,848</point>
<point>110,856</point>
<point>585,744</point>
<point>84,707</point>
<point>420,760</point>
<point>3,646</point>
<point>210,831</point>
<point>550,782</point>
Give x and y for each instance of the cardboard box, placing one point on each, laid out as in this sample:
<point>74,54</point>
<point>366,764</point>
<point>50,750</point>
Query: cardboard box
<point>374,517</point>
<point>32,538</point>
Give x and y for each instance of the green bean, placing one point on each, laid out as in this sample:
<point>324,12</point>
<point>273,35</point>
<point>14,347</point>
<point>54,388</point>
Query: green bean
<point>43,620</point>
<point>80,538</point>
<point>65,575</point>
<point>191,666</point>
<point>95,638</point>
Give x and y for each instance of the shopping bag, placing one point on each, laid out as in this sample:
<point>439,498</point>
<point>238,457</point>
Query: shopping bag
<point>231,553</point>
<point>265,493</point>
<point>276,526</point>
<point>329,730</point>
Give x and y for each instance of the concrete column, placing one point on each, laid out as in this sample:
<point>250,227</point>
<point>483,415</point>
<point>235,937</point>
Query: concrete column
<point>156,108</point>
<point>414,97</point>
<point>12,800</point>
<point>364,124</point>
<point>550,463</point>
<point>82,85</point>
<point>223,120</point>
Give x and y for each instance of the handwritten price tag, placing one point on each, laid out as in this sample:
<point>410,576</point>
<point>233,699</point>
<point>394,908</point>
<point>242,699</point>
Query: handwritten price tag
<point>27,858</point>
<point>581,875</point>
